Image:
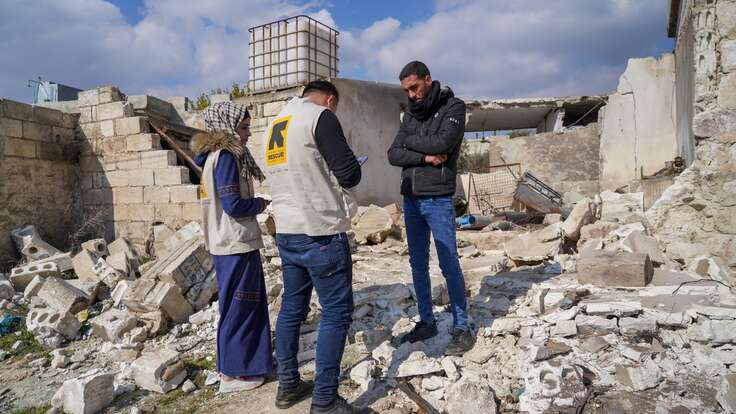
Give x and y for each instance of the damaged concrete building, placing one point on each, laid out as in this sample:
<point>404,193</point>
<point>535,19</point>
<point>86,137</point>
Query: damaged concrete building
<point>621,301</point>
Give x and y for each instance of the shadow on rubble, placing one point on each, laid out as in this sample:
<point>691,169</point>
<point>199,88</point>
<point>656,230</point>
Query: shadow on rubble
<point>491,297</point>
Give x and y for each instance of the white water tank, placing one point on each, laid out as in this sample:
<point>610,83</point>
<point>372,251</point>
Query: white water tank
<point>290,52</point>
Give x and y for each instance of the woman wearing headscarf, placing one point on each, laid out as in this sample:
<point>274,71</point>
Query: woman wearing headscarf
<point>233,237</point>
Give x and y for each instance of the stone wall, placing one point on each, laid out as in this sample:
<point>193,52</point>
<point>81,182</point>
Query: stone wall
<point>695,216</point>
<point>638,133</point>
<point>128,177</point>
<point>568,161</point>
<point>38,173</point>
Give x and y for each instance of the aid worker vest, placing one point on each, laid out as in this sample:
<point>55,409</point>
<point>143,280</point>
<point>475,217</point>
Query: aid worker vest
<point>223,234</point>
<point>307,198</point>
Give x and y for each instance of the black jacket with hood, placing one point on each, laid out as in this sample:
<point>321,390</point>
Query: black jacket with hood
<point>436,130</point>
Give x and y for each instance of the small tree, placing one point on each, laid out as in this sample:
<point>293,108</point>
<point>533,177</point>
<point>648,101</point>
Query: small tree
<point>202,102</point>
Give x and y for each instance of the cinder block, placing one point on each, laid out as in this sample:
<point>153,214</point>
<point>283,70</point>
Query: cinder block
<point>120,212</point>
<point>172,176</point>
<point>110,94</point>
<point>140,212</point>
<point>128,195</point>
<point>21,276</point>
<point>114,110</point>
<point>88,98</point>
<point>16,110</point>
<point>140,177</point>
<point>131,125</point>
<point>97,247</point>
<point>168,213</point>
<point>107,128</point>
<point>11,127</point>
<point>89,114</point>
<point>117,178</point>
<point>84,262</point>
<point>184,193</point>
<point>90,130</point>
<point>144,142</point>
<point>273,108</point>
<point>191,212</point>
<point>156,195</point>
<point>158,159</point>
<point>20,148</point>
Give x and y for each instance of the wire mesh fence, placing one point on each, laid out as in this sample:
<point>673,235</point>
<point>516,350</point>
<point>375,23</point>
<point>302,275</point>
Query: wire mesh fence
<point>491,189</point>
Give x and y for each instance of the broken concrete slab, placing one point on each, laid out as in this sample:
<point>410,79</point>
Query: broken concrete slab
<point>549,350</point>
<point>639,242</point>
<point>448,365</point>
<point>618,207</point>
<point>120,262</point>
<point>491,240</point>
<point>639,378</point>
<point>481,352</point>
<point>582,214</point>
<point>596,323</point>
<point>417,364</point>
<point>597,230</point>
<point>21,276</point>
<point>112,325</point>
<point>637,326</point>
<point>122,245</point>
<point>109,275</point>
<point>88,393</point>
<point>33,287</point>
<point>565,329</point>
<point>146,295</point>
<point>363,373</point>
<point>537,246</point>
<point>552,387</point>
<point>727,393</point>
<point>118,293</point>
<point>714,332</point>
<point>470,396</point>
<point>373,225</point>
<point>594,344</point>
<point>160,371</point>
<point>62,296</point>
<point>614,269</point>
<point>712,268</point>
<point>30,244</point>
<point>629,307</point>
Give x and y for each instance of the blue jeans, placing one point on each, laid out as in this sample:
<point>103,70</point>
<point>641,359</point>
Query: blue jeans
<point>323,263</point>
<point>423,215</point>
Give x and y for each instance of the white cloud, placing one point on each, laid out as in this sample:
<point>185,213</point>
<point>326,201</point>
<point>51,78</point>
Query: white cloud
<point>501,48</point>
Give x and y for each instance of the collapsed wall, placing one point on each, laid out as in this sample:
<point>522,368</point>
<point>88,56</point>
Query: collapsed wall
<point>39,173</point>
<point>567,161</point>
<point>696,215</point>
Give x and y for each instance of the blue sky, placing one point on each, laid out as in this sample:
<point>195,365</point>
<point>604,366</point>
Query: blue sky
<point>482,48</point>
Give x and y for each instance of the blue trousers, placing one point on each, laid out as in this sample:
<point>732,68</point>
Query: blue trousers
<point>423,215</point>
<point>325,264</point>
<point>244,332</point>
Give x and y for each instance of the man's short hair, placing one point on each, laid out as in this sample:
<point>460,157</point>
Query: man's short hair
<point>414,68</point>
<point>323,86</point>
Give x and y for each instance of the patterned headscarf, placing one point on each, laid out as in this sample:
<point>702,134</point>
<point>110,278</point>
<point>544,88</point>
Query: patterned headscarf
<point>225,117</point>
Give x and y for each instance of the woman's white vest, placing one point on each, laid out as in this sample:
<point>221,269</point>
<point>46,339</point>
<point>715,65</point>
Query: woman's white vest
<point>307,198</point>
<point>223,234</point>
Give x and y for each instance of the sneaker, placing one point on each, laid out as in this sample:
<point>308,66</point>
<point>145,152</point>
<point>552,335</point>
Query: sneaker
<point>228,384</point>
<point>422,331</point>
<point>462,341</point>
<point>339,406</point>
<point>287,398</point>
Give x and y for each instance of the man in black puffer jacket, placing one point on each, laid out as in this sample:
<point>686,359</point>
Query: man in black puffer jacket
<point>427,147</point>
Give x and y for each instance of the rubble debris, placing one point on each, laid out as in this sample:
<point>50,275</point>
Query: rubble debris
<point>469,396</point>
<point>112,325</point>
<point>614,269</point>
<point>30,244</point>
<point>146,295</point>
<point>552,218</point>
<point>641,377</point>
<point>727,393</point>
<point>712,268</point>
<point>160,371</point>
<point>109,275</point>
<point>583,214</point>
<point>373,225</point>
<point>619,207</point>
<point>84,263</point>
<point>6,290</point>
<point>713,332</point>
<point>550,350</point>
<point>537,246</point>
<point>363,373</point>
<point>190,267</point>
<point>63,296</point>
<point>552,387</point>
<point>188,387</point>
<point>21,276</point>
<point>123,246</point>
<point>62,260</point>
<point>88,393</point>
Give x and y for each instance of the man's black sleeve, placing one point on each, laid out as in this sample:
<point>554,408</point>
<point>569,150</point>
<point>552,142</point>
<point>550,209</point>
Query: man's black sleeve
<point>446,138</point>
<point>399,155</point>
<point>334,148</point>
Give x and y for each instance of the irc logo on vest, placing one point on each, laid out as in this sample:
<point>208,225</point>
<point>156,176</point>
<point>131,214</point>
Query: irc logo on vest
<point>276,148</point>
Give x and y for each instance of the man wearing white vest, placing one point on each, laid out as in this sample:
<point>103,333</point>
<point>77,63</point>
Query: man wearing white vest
<point>310,166</point>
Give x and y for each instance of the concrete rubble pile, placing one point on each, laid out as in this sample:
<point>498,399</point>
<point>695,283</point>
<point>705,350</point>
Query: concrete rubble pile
<point>567,314</point>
